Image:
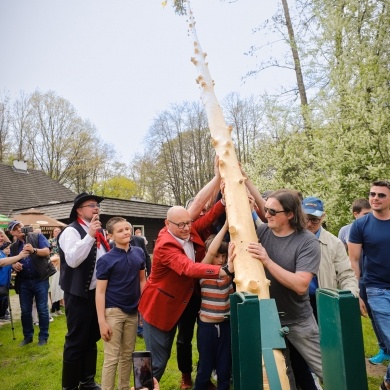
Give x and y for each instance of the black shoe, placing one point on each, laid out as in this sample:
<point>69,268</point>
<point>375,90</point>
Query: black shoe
<point>42,343</point>
<point>89,386</point>
<point>25,342</point>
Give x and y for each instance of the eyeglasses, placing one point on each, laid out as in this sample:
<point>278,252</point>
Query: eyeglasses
<point>314,221</point>
<point>91,205</point>
<point>182,225</point>
<point>380,195</point>
<point>273,212</point>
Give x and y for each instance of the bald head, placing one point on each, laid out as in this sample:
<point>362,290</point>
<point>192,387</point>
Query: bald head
<point>178,212</point>
<point>179,222</point>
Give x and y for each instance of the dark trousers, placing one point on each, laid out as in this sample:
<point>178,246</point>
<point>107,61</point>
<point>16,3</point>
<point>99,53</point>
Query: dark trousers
<point>214,346</point>
<point>55,306</point>
<point>303,377</point>
<point>185,334</point>
<point>3,305</point>
<point>83,327</point>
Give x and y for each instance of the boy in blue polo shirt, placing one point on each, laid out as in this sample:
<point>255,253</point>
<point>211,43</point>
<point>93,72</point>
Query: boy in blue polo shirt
<point>120,279</point>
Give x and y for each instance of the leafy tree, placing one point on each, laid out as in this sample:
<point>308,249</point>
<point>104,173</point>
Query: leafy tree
<point>119,187</point>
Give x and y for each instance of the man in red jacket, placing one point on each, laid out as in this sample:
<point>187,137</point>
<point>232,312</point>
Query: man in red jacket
<point>171,284</point>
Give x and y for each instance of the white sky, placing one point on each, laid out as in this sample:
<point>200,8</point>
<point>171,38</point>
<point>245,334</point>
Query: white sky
<point>121,62</point>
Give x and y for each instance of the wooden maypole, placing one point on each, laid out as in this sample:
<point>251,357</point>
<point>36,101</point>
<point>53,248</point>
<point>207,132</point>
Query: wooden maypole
<point>249,273</point>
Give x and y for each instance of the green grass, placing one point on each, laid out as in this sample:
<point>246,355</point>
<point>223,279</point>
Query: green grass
<point>33,367</point>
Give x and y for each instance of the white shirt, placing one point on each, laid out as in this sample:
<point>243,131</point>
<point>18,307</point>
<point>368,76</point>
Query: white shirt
<point>187,245</point>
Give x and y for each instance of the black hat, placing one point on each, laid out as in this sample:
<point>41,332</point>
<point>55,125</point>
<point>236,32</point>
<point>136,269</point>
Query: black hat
<point>79,199</point>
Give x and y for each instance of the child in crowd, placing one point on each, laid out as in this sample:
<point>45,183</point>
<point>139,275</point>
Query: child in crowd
<point>213,337</point>
<point>56,293</point>
<point>120,277</point>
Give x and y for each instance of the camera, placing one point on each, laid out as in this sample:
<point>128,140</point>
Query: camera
<point>27,229</point>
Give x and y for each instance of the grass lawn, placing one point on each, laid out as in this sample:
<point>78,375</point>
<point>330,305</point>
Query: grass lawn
<point>33,367</point>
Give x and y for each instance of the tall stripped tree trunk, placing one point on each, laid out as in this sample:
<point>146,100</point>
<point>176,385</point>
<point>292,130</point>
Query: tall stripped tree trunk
<point>298,69</point>
<point>249,273</point>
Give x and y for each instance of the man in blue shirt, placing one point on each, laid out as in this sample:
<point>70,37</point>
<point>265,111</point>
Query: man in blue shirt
<point>371,234</point>
<point>30,284</point>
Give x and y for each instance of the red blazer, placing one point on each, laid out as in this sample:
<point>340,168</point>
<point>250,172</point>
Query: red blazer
<point>173,277</point>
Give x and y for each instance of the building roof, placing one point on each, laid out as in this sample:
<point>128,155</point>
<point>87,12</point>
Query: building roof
<point>22,187</point>
<point>109,206</point>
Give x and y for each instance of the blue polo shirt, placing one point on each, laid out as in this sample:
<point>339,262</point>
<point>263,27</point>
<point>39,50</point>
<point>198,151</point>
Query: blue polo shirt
<point>121,268</point>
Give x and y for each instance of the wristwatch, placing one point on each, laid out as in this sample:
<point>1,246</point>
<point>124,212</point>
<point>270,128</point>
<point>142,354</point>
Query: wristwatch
<point>34,251</point>
<point>226,269</point>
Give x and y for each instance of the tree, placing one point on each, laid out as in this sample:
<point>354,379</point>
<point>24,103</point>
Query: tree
<point>119,187</point>
<point>245,116</point>
<point>21,124</point>
<point>5,120</point>
<point>178,142</point>
<point>47,132</point>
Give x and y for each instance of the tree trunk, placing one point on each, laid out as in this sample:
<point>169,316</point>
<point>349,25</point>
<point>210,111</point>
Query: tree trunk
<point>249,274</point>
<point>298,69</point>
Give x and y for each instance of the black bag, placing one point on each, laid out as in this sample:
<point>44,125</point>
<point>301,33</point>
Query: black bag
<point>43,265</point>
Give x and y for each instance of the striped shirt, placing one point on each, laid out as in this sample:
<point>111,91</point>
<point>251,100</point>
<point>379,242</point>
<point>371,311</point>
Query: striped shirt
<point>215,298</point>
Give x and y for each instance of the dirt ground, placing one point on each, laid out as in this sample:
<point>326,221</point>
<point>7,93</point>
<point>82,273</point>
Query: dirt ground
<point>375,369</point>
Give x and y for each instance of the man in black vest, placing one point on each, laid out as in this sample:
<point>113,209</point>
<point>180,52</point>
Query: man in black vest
<point>32,280</point>
<point>80,245</point>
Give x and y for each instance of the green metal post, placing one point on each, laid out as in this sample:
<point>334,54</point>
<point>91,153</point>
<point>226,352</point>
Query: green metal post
<point>341,340</point>
<point>246,342</point>
<point>256,332</point>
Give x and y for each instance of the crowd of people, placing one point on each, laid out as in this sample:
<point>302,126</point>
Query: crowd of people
<point>112,290</point>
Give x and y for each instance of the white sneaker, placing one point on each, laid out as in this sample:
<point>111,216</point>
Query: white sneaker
<point>51,319</point>
<point>36,323</point>
<point>59,313</point>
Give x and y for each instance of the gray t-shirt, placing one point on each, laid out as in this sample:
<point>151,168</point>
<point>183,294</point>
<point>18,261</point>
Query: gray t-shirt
<point>299,251</point>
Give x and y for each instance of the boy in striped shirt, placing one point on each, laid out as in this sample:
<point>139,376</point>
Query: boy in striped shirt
<point>213,336</point>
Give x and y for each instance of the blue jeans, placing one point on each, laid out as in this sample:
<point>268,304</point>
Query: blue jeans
<point>363,295</point>
<point>30,288</point>
<point>379,301</point>
<point>159,343</point>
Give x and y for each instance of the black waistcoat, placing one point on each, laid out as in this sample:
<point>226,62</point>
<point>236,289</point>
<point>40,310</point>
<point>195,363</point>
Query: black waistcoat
<point>77,280</point>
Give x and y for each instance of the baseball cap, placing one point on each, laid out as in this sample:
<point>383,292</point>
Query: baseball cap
<point>12,224</point>
<point>313,206</point>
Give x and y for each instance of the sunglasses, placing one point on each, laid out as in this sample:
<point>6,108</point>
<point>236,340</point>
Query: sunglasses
<point>380,195</point>
<point>273,212</point>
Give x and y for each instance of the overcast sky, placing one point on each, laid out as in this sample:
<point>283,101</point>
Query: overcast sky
<point>121,62</point>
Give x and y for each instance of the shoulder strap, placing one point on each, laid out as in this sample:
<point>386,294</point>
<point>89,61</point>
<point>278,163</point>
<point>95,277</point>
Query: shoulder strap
<point>33,239</point>
<point>14,248</point>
